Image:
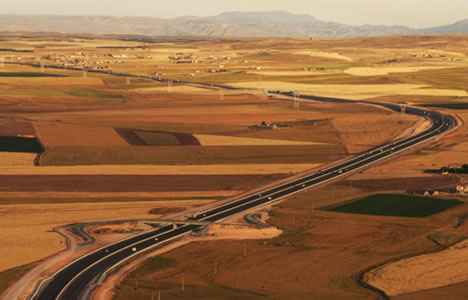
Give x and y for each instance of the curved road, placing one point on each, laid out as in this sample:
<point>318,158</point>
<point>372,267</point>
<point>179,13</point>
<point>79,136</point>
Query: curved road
<point>72,280</point>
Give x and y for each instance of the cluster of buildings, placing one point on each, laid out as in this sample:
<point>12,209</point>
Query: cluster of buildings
<point>79,59</point>
<point>180,58</point>
<point>462,189</point>
<point>431,55</point>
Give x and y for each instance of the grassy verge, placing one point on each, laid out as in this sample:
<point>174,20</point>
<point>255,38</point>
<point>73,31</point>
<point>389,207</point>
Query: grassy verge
<point>8,277</point>
<point>397,205</point>
<point>89,93</point>
<point>446,239</point>
<point>448,105</point>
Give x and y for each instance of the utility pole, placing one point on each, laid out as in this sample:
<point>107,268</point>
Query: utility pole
<point>183,284</point>
<point>403,107</point>
<point>215,267</point>
<point>136,282</point>
<point>297,104</point>
<point>313,205</point>
<point>159,295</point>
<point>221,95</point>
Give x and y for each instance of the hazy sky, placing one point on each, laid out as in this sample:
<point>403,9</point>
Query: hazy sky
<point>415,13</point>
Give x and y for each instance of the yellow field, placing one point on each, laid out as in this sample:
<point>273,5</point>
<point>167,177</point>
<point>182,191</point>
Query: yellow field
<point>236,169</point>
<point>51,81</point>
<point>176,88</point>
<point>364,71</point>
<point>422,272</point>
<point>56,134</point>
<point>353,91</point>
<point>294,73</point>
<point>325,55</point>
<point>26,229</point>
<point>16,159</point>
<point>217,140</point>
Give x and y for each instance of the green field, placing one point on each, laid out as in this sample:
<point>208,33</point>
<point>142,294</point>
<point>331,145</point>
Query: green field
<point>93,94</point>
<point>20,144</point>
<point>397,205</point>
<point>448,105</point>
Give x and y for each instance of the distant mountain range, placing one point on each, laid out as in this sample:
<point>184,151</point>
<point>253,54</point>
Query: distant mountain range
<point>240,24</point>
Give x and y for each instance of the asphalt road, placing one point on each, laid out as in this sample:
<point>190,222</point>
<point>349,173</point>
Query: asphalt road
<point>72,280</point>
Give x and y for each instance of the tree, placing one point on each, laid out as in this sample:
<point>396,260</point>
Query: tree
<point>464,168</point>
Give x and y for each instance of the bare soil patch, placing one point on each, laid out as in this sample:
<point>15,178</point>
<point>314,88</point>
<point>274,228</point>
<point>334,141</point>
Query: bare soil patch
<point>360,134</point>
<point>13,127</point>
<point>409,183</point>
<point>115,183</point>
<point>57,134</point>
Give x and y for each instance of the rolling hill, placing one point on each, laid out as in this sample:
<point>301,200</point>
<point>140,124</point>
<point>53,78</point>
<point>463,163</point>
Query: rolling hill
<point>242,24</point>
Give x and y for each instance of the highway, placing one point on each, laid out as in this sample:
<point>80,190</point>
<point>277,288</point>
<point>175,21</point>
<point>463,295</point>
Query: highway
<point>71,281</point>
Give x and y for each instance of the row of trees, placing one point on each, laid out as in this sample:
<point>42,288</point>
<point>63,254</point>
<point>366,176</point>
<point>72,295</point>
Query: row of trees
<point>462,170</point>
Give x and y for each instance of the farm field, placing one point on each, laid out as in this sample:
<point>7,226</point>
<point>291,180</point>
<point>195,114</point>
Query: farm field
<point>239,169</point>
<point>68,135</point>
<point>173,155</point>
<point>21,222</point>
<point>133,183</point>
<point>20,144</point>
<point>16,159</point>
<point>397,205</point>
<point>79,147</point>
<point>318,256</point>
